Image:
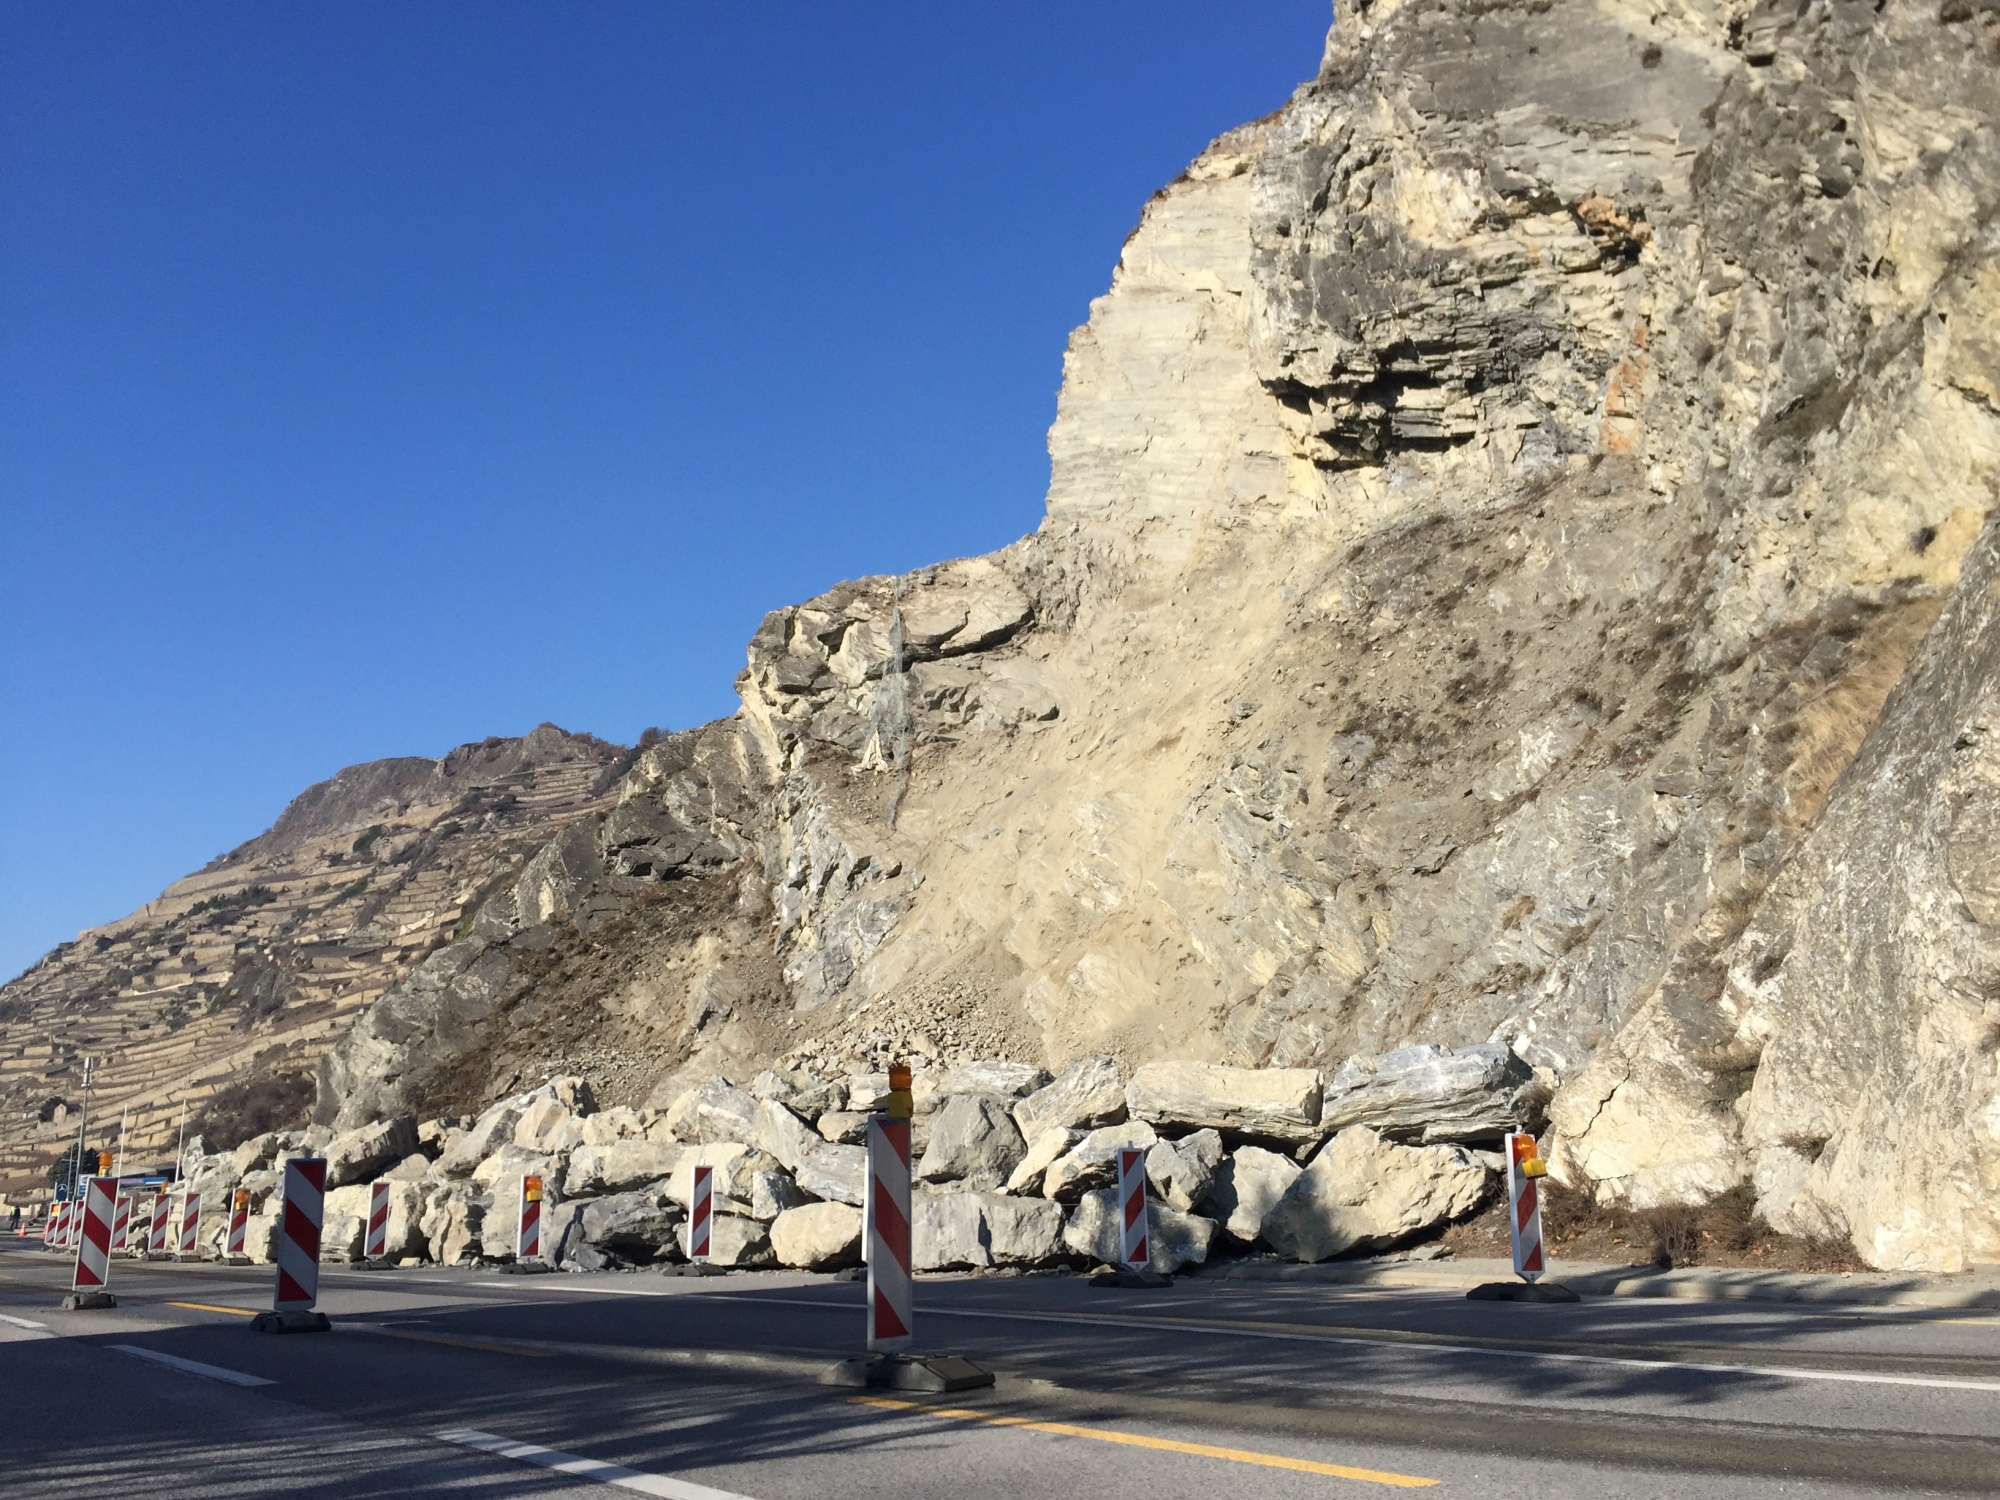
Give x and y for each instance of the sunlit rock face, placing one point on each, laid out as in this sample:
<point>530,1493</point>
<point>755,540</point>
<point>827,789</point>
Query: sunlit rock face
<point>1515,571</point>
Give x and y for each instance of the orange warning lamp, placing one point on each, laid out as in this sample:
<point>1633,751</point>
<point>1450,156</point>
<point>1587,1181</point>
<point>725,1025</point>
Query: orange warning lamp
<point>899,1105</point>
<point>104,1164</point>
<point>243,1197</point>
<point>531,1189</point>
<point>1527,1156</point>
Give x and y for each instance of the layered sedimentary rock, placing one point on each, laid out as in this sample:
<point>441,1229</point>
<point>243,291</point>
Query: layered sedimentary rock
<point>1489,513</point>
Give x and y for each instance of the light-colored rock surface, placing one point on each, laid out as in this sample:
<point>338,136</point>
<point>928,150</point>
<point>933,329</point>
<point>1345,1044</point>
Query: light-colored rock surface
<point>611,1125</point>
<point>638,1226</point>
<point>1362,1192</point>
<point>735,1169</point>
<point>1174,1239</point>
<point>782,1134</point>
<point>1278,1102</point>
<point>1042,1154</point>
<point>1248,1185</point>
<point>492,1130</point>
<point>1429,1093</point>
<point>1489,511</point>
<point>846,1127</point>
<point>1008,1080</point>
<point>954,1230</point>
<point>1088,1093</point>
<point>1093,1161</point>
<point>621,1166</point>
<point>733,1241</point>
<point>771,1193</point>
<point>1182,1172</point>
<point>360,1155</point>
<point>838,1174</point>
<point>973,1138</point>
<point>817,1237</point>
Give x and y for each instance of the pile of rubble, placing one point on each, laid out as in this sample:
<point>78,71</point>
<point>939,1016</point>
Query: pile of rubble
<point>1013,1167</point>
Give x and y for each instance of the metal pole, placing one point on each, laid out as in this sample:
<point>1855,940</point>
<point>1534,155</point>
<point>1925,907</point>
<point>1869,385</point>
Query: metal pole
<point>119,1170</point>
<point>180,1151</point>
<point>82,1124</point>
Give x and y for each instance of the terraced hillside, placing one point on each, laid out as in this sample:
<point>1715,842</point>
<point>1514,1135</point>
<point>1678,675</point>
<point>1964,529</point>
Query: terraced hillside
<point>244,972</point>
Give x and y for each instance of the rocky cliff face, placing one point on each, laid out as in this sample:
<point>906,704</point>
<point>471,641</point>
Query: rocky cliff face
<point>251,968</point>
<point>1491,510</point>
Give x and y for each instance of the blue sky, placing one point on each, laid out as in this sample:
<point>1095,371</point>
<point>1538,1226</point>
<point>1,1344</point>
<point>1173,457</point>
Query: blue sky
<point>375,378</point>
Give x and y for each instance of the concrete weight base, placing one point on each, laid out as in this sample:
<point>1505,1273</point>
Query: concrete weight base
<point>291,1322</point>
<point>691,1270</point>
<point>1522,1291</point>
<point>1126,1277</point>
<point>82,1301</point>
<point>930,1373</point>
<point>527,1268</point>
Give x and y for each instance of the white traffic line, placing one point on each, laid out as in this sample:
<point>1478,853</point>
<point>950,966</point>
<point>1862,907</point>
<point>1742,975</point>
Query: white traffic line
<point>1777,1372</point>
<point>21,1322</point>
<point>598,1291</point>
<point>584,1468</point>
<point>191,1366</point>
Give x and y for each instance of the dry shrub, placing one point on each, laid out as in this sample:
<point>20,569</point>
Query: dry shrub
<point>235,1114</point>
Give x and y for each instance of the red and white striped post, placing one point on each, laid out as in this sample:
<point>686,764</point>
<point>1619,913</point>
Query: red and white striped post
<point>235,1246</point>
<point>1524,1204</point>
<point>162,1225</point>
<point>93,1245</point>
<point>52,1226</point>
<point>1134,1246</point>
<point>190,1227</point>
<point>701,1214</point>
<point>890,1312</point>
<point>298,1252</point>
<point>376,1245</point>
<point>528,1239</point>
<point>121,1221</point>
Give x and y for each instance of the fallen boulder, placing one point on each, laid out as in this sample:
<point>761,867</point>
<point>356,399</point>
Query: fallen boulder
<point>1182,1173</point>
<point>1008,1080</point>
<point>1093,1161</point>
<point>953,1230</point>
<point>817,1237</point>
<point>1173,1239</point>
<point>845,1127</point>
<point>487,1134</point>
<point>640,1227</point>
<point>1088,1093</point>
<point>1043,1152</point>
<point>1362,1192</point>
<point>771,1194</point>
<point>1248,1185</point>
<point>733,1241</point>
<point>620,1166</point>
<point>1428,1093</point>
<point>1278,1103</point>
<point>783,1135</point>
<point>972,1138</point>
<point>359,1155</point>
<point>835,1173</point>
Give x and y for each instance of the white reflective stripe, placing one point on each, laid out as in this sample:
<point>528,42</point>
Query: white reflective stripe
<point>20,1322</point>
<point>299,1190</point>
<point>584,1468</point>
<point>302,1268</point>
<point>190,1366</point>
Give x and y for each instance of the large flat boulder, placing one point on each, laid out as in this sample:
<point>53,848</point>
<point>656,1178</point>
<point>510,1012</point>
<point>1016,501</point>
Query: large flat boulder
<point>973,1138</point>
<point>479,1140</point>
<point>1173,1239</point>
<point>547,1126</point>
<point>783,1135</point>
<point>1248,1185</point>
<point>1278,1103</point>
<point>616,1124</point>
<point>735,1170</point>
<point>817,1237</point>
<point>360,1155</point>
<point>1093,1162</point>
<point>724,1113</point>
<point>1428,1093</point>
<point>1365,1193</point>
<point>1088,1093</point>
<point>955,1230</point>
<point>837,1174</point>
<point>1043,1152</point>
<point>1008,1080</point>
<point>620,1166</point>
<point>1182,1173</point>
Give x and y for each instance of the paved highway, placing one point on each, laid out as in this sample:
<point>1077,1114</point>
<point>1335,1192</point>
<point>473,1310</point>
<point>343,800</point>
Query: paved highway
<point>475,1383</point>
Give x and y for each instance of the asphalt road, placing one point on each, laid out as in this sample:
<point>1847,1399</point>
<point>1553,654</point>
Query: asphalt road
<point>665,1386</point>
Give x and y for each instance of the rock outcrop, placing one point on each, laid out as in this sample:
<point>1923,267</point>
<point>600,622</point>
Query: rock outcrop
<point>1489,513</point>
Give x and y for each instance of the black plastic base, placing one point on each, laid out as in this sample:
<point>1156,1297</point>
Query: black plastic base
<point>851,1273</point>
<point>1522,1291</point>
<point>1125,1276</point>
<point>930,1373</point>
<point>692,1270</point>
<point>236,1260</point>
<point>81,1301</point>
<point>527,1268</point>
<point>291,1322</point>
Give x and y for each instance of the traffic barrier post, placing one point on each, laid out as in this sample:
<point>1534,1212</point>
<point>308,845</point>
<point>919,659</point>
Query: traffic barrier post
<point>190,1248</point>
<point>891,1315</point>
<point>528,1239</point>
<point>162,1225</point>
<point>701,1214</point>
<point>89,1282</point>
<point>292,1309</point>
<point>376,1245</point>
<point>235,1248</point>
<point>1525,1171</point>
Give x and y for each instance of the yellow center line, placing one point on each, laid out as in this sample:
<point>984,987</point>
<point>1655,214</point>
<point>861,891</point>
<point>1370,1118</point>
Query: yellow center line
<point>438,1338</point>
<point>1165,1445</point>
<point>241,1312</point>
